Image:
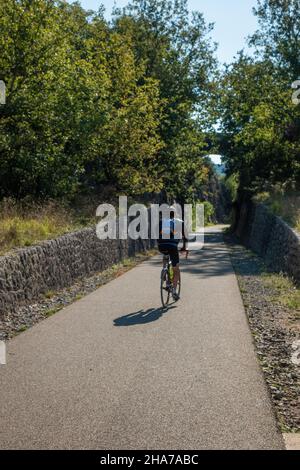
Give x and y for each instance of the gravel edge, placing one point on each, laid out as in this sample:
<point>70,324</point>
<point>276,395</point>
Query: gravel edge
<point>275,329</point>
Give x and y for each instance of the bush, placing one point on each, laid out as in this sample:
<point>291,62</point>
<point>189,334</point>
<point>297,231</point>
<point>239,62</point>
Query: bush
<point>231,184</point>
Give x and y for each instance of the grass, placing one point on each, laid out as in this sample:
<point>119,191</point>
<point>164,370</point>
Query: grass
<point>52,311</point>
<point>128,263</point>
<point>22,328</point>
<point>15,231</point>
<point>49,294</point>
<point>25,223</point>
<point>286,293</point>
<point>285,204</point>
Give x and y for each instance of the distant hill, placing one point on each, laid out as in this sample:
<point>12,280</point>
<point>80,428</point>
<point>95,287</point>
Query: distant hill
<point>216,163</point>
<point>220,169</point>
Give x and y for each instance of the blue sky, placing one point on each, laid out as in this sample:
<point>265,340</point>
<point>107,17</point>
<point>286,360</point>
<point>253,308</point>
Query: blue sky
<point>233,21</point>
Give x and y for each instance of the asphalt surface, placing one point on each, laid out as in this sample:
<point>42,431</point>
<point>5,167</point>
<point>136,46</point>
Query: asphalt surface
<point>112,371</point>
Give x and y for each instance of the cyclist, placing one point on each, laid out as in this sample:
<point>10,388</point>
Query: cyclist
<point>171,232</point>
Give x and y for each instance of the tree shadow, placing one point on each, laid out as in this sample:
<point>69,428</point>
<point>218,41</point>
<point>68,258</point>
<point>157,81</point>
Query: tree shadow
<point>211,237</point>
<point>142,316</point>
<point>216,258</point>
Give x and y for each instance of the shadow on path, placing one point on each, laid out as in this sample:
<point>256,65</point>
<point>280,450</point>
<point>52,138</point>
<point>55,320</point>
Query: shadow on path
<point>142,316</point>
<point>213,237</point>
<point>210,261</point>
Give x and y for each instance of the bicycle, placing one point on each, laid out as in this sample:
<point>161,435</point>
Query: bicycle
<point>166,281</point>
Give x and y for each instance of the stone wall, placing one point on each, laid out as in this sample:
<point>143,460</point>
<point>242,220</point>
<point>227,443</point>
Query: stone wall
<point>271,238</point>
<point>51,265</point>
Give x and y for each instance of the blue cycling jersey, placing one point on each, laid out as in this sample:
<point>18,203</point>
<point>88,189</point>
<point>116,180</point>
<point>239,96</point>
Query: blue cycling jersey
<point>170,232</point>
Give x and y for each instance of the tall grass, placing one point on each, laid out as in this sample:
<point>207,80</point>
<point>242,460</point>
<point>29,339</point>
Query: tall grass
<point>25,222</point>
<point>283,204</point>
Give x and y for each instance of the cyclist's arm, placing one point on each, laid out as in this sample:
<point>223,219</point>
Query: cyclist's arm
<point>182,233</point>
<point>185,236</point>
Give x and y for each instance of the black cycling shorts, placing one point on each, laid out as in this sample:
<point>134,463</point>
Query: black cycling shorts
<point>172,251</point>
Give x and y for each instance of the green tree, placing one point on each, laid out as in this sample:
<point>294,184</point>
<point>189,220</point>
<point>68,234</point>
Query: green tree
<point>278,36</point>
<point>93,103</point>
<point>257,110</point>
<point>77,113</point>
<point>260,125</point>
<point>127,151</point>
<point>47,83</point>
<point>176,51</point>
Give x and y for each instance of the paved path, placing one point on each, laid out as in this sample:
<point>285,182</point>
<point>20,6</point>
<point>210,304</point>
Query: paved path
<point>112,371</point>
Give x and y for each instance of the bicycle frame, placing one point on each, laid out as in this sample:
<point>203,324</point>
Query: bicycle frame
<point>167,266</point>
<point>167,276</point>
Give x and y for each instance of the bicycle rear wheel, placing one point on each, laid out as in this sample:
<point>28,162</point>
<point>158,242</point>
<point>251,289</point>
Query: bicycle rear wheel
<point>164,288</point>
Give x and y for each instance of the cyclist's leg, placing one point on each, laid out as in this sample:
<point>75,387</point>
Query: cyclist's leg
<point>163,251</point>
<point>174,257</point>
<point>176,270</point>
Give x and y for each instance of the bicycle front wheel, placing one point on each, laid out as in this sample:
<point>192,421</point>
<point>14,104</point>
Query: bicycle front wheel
<point>164,288</point>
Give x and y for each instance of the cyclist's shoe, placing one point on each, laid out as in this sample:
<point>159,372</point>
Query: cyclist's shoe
<point>175,296</point>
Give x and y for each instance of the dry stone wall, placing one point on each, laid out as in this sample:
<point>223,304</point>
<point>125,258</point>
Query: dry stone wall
<point>270,237</point>
<point>28,273</point>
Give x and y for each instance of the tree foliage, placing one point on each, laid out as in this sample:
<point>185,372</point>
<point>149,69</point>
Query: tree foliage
<point>91,102</point>
<point>260,124</point>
